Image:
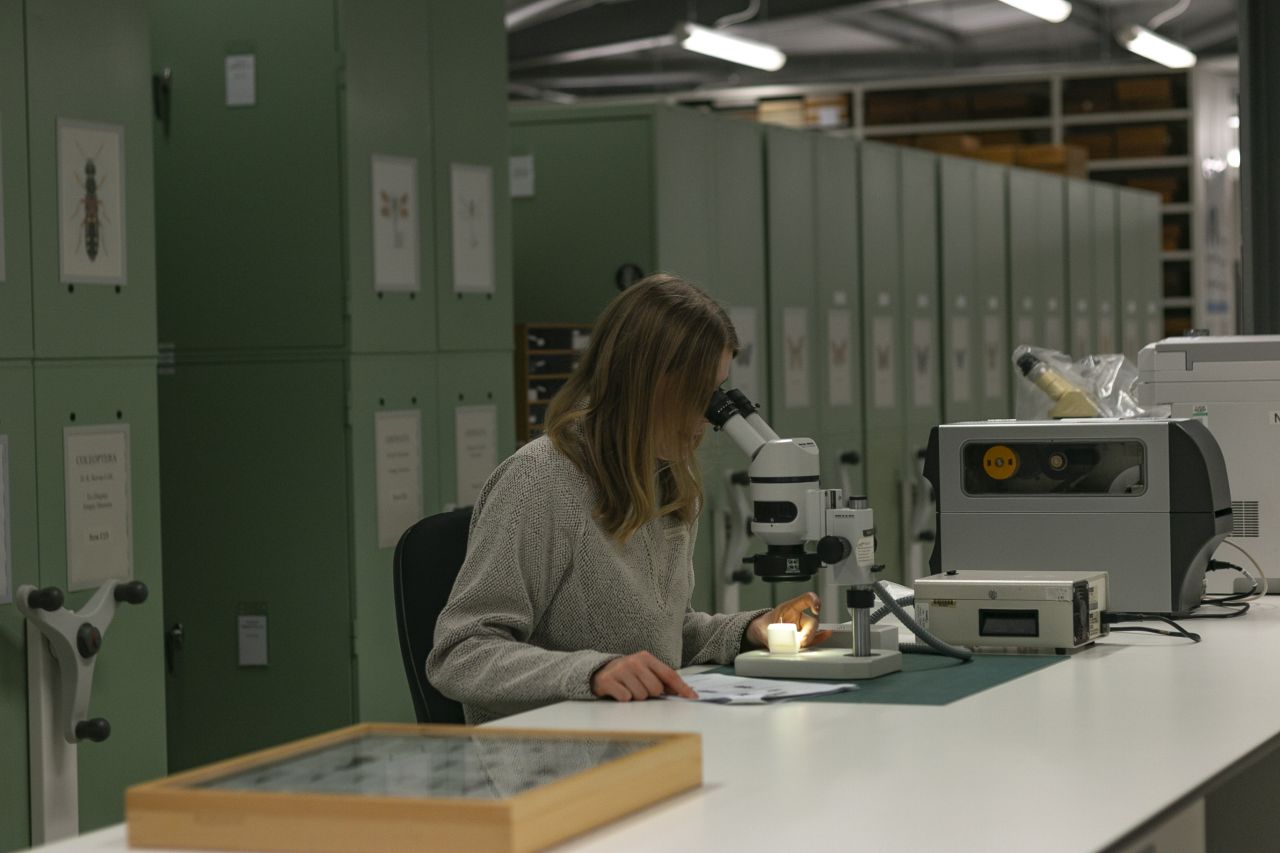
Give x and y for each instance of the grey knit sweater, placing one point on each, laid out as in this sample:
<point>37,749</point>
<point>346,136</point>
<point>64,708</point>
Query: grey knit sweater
<point>546,597</point>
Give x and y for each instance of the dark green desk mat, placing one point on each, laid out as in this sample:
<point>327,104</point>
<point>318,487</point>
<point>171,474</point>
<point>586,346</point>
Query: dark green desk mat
<point>935,680</point>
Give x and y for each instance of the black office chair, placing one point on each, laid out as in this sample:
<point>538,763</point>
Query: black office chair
<point>427,561</point>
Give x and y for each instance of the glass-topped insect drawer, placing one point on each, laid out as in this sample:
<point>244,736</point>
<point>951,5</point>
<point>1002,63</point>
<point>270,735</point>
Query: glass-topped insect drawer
<point>385,787</point>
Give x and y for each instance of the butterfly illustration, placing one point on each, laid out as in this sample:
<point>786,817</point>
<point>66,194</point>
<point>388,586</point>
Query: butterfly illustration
<point>839,353</point>
<point>396,208</point>
<point>795,353</point>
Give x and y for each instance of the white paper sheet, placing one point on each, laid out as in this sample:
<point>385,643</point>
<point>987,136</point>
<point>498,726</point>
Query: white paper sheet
<point>6,588</point>
<point>99,513</point>
<point>476,449</point>
<point>744,373</point>
<point>396,242</point>
<point>520,175</point>
<point>884,376</point>
<point>795,357</point>
<point>472,193</point>
<point>397,438</point>
<point>922,361</point>
<point>961,360</point>
<point>993,348</point>
<point>736,690</point>
<point>91,208</point>
<point>840,357</point>
<point>251,633</point>
<point>241,79</point>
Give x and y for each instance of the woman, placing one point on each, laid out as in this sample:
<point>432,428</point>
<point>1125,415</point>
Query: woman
<point>578,574</point>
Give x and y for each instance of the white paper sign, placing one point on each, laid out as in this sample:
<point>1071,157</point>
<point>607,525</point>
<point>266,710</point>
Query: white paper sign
<point>99,515</point>
<point>922,359</point>
<point>884,376</point>
<point>961,360</point>
<point>1055,333</point>
<point>476,446</point>
<point>91,210</point>
<point>744,373</point>
<point>395,223</point>
<point>397,441</point>
<point>1024,332</point>
<point>241,79</point>
<point>6,590</point>
<point>795,357</point>
<point>993,348</point>
<point>472,193</point>
<point>1,210</point>
<point>839,357</point>
<point>1130,334</point>
<point>251,632</point>
<point>520,175</point>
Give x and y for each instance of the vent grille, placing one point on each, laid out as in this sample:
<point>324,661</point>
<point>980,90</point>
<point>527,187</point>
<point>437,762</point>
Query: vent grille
<point>1244,519</point>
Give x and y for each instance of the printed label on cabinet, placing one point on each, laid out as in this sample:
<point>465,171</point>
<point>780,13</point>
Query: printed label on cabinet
<point>472,192</point>
<point>397,438</point>
<point>839,357</point>
<point>994,355</point>
<point>396,241</point>
<point>476,449</point>
<point>91,210</point>
<point>795,357</point>
<point>884,393</point>
<point>98,498</point>
<point>961,360</point>
<point>744,373</point>
<point>922,362</point>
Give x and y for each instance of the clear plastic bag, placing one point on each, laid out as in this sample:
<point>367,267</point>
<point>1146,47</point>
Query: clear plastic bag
<point>1096,386</point>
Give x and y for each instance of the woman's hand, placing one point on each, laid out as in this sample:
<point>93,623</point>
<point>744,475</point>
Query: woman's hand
<point>792,611</point>
<point>638,676</point>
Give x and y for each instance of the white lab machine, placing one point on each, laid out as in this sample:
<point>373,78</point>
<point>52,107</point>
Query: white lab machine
<point>1232,385</point>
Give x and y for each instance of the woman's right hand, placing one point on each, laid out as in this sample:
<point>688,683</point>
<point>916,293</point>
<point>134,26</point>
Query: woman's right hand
<point>637,677</point>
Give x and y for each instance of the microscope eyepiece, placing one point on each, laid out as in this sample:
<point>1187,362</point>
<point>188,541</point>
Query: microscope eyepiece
<point>720,409</point>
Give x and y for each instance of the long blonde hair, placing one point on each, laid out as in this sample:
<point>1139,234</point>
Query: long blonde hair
<point>652,363</point>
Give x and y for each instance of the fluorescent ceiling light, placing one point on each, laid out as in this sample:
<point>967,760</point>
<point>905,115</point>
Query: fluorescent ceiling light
<point>721,45</point>
<point>1143,42</point>
<point>1233,158</point>
<point>1053,11</point>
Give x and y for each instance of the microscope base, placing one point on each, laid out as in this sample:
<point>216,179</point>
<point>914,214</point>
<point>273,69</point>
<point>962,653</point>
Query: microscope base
<point>827,664</point>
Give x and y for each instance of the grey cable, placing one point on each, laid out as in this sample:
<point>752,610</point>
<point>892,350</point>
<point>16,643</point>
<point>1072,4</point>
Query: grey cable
<point>753,9</point>
<point>882,611</point>
<point>941,647</point>
<point>1168,15</point>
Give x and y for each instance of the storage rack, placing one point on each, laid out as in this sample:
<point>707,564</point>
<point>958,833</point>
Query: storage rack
<point>546,355</point>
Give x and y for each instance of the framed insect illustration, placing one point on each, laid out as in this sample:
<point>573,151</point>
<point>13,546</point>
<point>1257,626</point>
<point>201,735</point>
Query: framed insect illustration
<point>91,205</point>
<point>395,223</point>
<point>392,787</point>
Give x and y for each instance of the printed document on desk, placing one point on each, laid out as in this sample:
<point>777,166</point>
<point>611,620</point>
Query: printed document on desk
<point>736,690</point>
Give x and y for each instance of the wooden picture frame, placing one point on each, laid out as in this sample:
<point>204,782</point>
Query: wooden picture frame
<point>226,806</point>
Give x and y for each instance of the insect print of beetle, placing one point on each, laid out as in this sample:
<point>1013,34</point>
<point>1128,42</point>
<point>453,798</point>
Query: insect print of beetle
<point>90,224</point>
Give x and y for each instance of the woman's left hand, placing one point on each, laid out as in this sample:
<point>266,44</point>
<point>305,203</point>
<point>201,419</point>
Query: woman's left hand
<point>793,611</point>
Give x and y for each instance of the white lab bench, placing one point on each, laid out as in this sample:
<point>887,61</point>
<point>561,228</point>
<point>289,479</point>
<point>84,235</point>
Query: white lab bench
<point>1088,754</point>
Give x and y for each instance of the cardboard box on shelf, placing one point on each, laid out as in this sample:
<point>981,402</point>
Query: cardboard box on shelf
<point>827,111</point>
<point>1144,93</point>
<point>1088,96</point>
<point>1003,104</point>
<point>1168,186</point>
<point>1145,140</point>
<point>949,143</point>
<point>889,108</point>
<point>787,112</point>
<point>1172,236</point>
<point>1069,160</point>
<point>1007,154</point>
<point>1100,144</point>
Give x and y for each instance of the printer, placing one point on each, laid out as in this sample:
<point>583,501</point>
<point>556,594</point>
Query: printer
<point>1144,499</point>
<point>1232,386</point>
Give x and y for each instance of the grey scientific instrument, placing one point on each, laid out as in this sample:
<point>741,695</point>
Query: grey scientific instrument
<point>1034,612</point>
<point>1145,500</point>
<point>1232,385</point>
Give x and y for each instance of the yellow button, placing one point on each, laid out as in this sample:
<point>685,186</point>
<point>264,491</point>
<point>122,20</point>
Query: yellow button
<point>1000,462</point>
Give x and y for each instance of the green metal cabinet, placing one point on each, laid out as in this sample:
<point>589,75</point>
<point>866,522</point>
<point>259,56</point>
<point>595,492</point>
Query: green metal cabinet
<point>479,384</point>
<point>991,264</point>
<point>88,62</point>
<point>19,552</point>
<point>960,297</point>
<point>884,404</point>
<point>128,685</point>
<point>468,52</point>
<point>1138,238</point>
<point>839,316</point>
<point>400,389</point>
<point>257,523</point>
<point>1081,300</point>
<point>1105,265</point>
<point>1037,261</point>
<point>15,234</point>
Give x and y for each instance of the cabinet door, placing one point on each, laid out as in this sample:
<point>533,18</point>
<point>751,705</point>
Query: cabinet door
<point>960,293</point>
<point>250,237</point>
<point>18,565</point>
<point>257,542</point>
<point>15,235</point>
<point>114,401</point>
<point>1080,296</point>
<point>1105,267</point>
<point>93,250</point>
